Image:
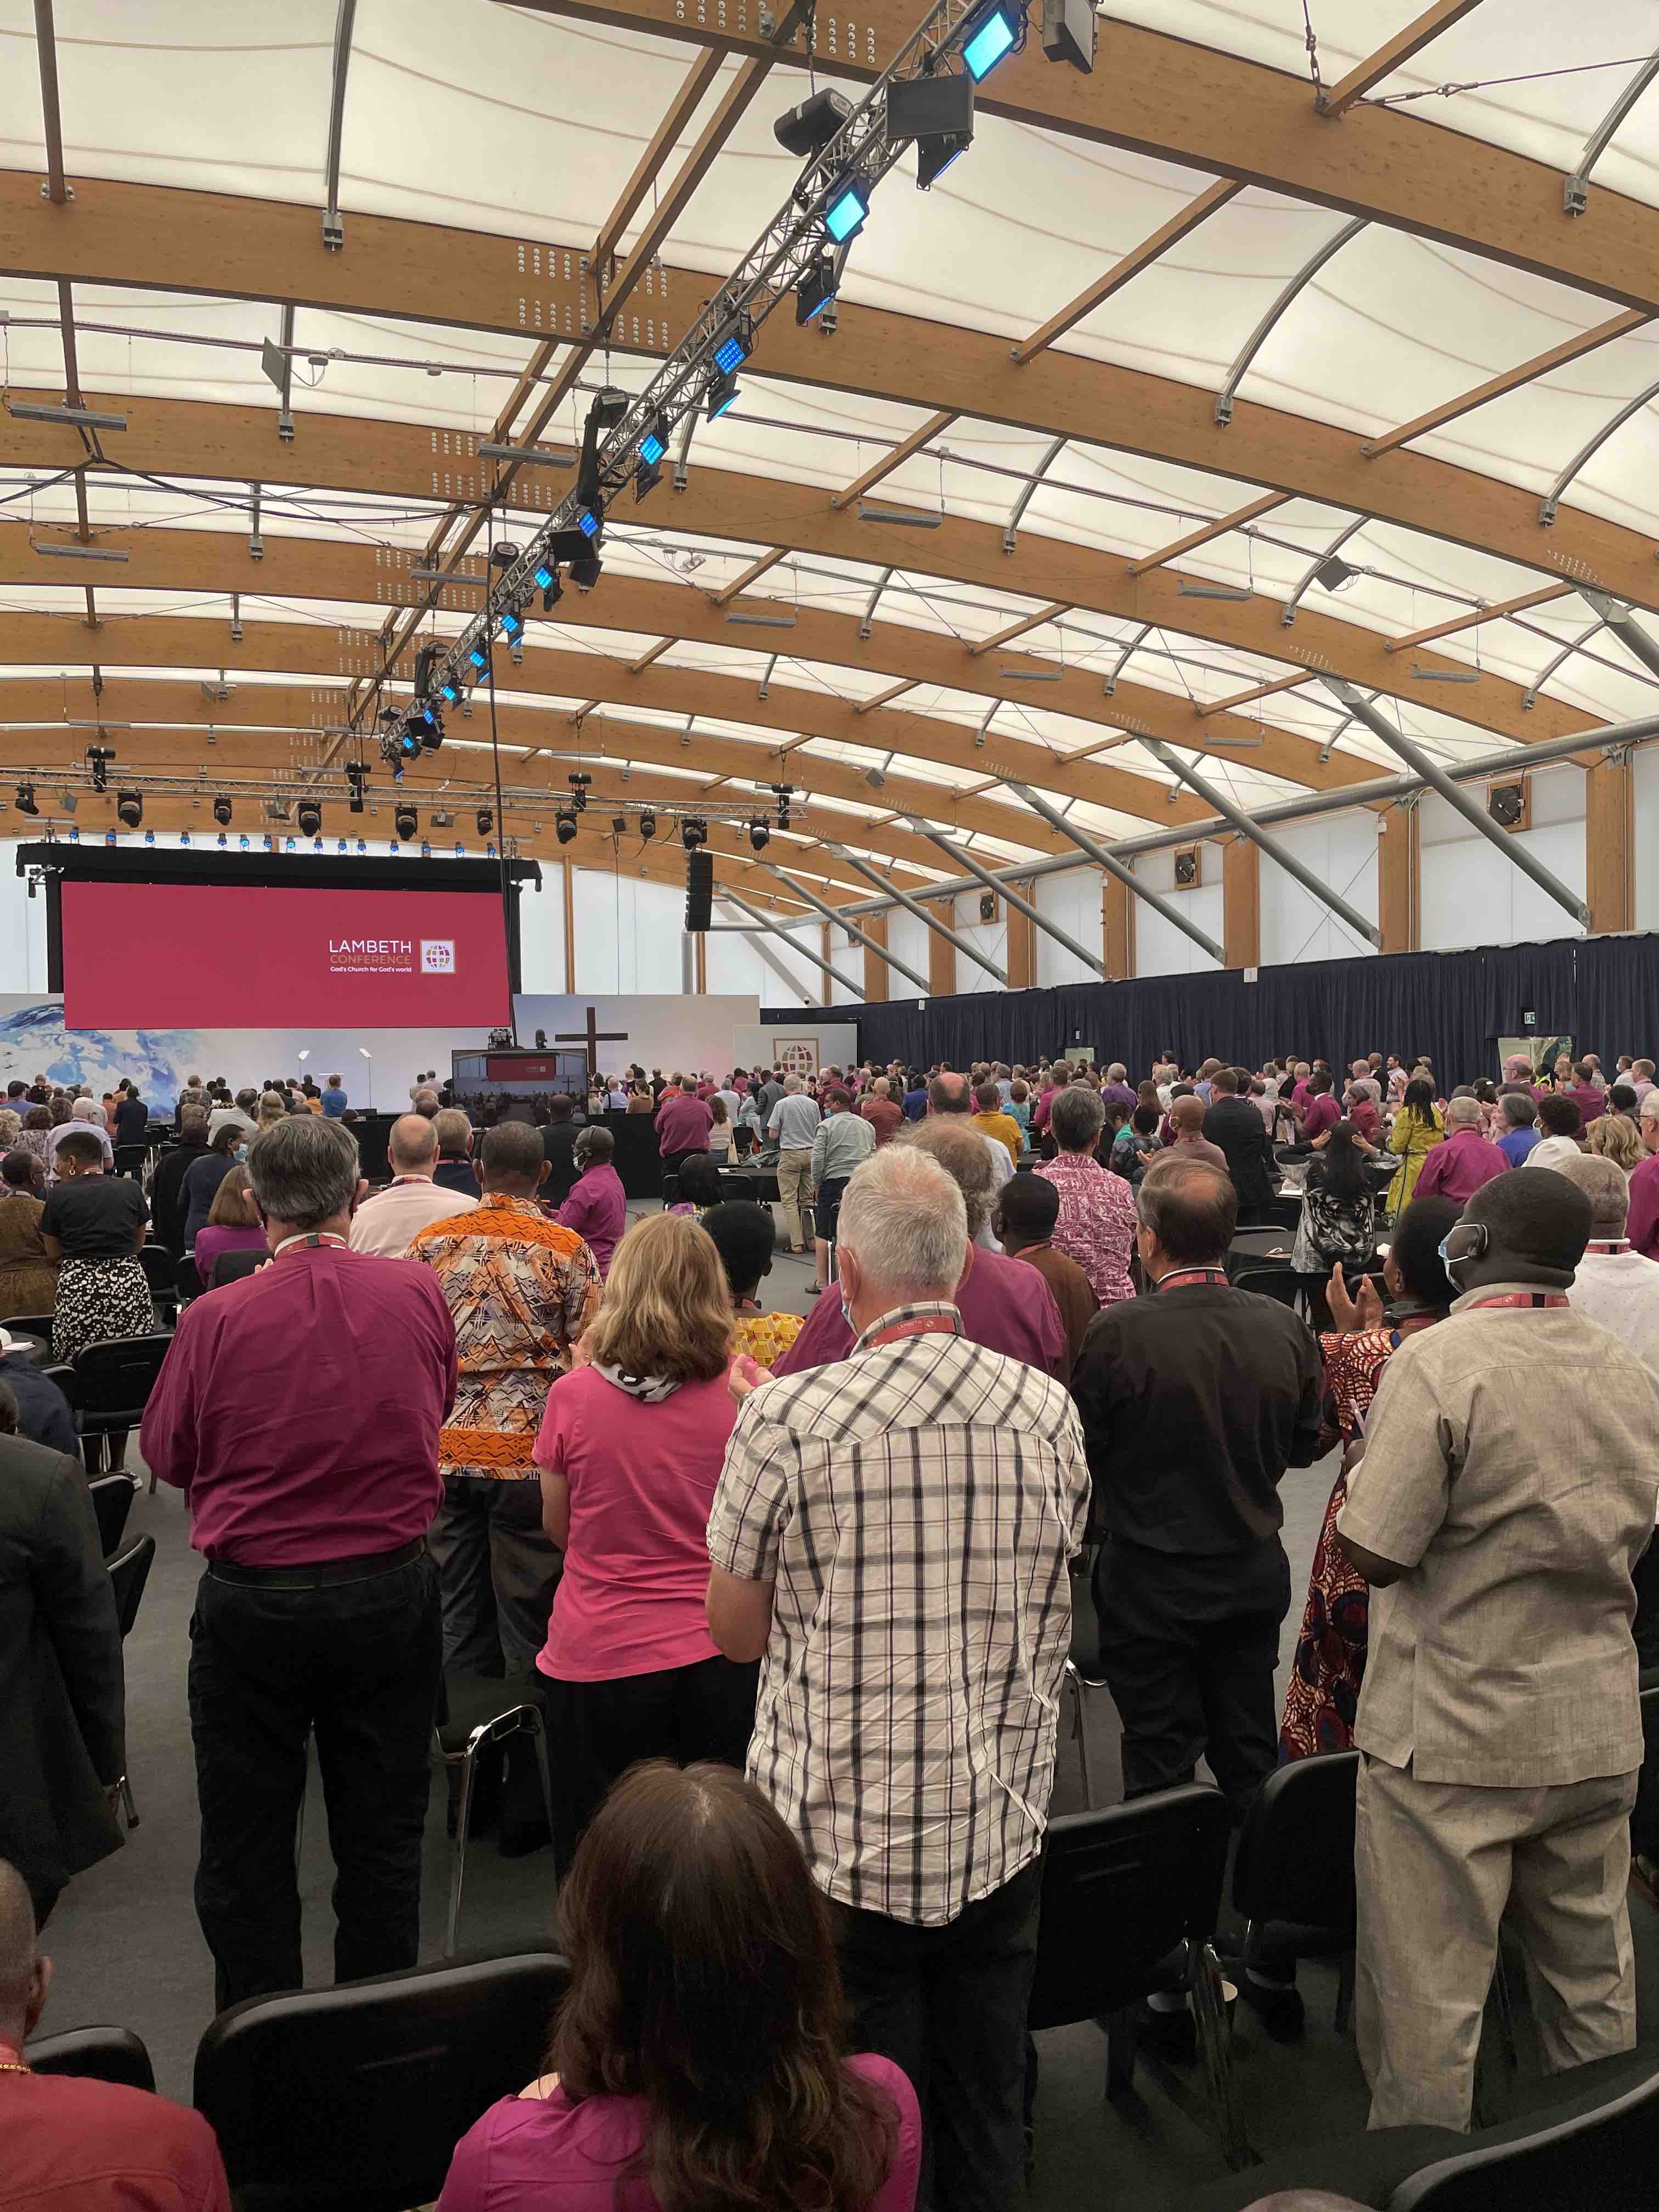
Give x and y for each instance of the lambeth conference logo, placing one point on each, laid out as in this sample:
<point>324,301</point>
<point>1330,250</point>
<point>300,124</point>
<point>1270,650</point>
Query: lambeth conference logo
<point>437,956</point>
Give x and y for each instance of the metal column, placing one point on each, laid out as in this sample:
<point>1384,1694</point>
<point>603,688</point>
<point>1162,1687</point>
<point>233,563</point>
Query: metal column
<point>1114,867</point>
<point>966,859</point>
<point>915,906</point>
<point>852,928</point>
<point>333,223</point>
<point>1474,814</point>
<point>1247,826</point>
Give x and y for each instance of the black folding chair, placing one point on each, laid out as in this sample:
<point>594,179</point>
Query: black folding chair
<point>1293,1870</point>
<point>353,2099</point>
<point>187,1283</point>
<point>128,1571</point>
<point>1281,1283</point>
<point>235,1266</point>
<point>1130,1897</point>
<point>93,2054</point>
<point>114,1379</point>
<point>161,1269</point>
<point>1601,2154</point>
<point>112,1501</point>
<point>1084,1670</point>
<point>478,1712</point>
<point>30,1325</point>
<point>130,1160</point>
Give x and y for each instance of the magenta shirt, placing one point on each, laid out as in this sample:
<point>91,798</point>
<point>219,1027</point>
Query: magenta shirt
<point>1456,1167</point>
<point>211,1240</point>
<point>1589,1102</point>
<point>1643,1225</point>
<point>1000,1309</point>
<point>683,1125</point>
<point>641,1480</point>
<point>1323,1113</point>
<point>299,1409</point>
<point>597,1209</point>
<point>531,2153</point>
<point>1096,1222</point>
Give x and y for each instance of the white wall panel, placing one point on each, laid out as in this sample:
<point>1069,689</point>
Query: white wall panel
<point>541,932</point>
<point>1472,894</point>
<point>22,928</point>
<point>1160,948</point>
<point>628,933</point>
<point>906,940</point>
<point>1341,850</point>
<point>847,954</point>
<point>988,937</point>
<point>1644,800</point>
<point>1071,902</point>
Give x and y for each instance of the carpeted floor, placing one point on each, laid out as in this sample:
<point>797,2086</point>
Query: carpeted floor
<point>128,1949</point>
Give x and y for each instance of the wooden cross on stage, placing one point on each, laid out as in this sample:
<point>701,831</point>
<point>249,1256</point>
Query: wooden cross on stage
<point>593,1036</point>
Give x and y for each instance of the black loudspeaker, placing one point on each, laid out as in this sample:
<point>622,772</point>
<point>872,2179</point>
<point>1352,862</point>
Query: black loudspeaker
<point>699,887</point>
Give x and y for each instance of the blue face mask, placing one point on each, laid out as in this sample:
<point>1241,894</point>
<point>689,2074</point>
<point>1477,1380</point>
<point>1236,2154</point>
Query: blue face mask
<point>241,1152</point>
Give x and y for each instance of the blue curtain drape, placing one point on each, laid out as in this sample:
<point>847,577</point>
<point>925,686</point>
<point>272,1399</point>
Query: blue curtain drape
<point>1602,992</point>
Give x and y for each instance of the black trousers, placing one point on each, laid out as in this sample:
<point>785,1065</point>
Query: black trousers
<point>1189,1644</point>
<point>949,2005</point>
<point>357,1664</point>
<point>673,1162</point>
<point>597,1730</point>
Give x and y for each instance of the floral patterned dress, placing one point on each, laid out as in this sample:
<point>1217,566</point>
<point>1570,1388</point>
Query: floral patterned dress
<point>1323,1693</point>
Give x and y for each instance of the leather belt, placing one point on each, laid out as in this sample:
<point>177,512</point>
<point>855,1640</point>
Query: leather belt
<point>316,1574</point>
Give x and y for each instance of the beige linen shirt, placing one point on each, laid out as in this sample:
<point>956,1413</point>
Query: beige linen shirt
<point>1509,1466</point>
<point>387,1223</point>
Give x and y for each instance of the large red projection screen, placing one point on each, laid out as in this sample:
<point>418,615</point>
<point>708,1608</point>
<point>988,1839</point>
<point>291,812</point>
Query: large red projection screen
<point>175,956</point>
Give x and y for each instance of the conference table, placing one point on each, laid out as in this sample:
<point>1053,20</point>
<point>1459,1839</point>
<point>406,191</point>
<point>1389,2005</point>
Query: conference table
<point>1260,1248</point>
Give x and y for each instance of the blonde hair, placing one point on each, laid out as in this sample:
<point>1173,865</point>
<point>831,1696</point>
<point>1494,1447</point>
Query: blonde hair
<point>1613,1136</point>
<point>667,1305</point>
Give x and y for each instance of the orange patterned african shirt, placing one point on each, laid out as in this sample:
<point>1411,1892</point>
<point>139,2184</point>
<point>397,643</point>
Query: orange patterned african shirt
<point>521,1290</point>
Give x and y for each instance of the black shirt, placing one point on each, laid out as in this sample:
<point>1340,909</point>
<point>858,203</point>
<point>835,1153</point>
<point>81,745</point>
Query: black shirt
<point>201,1187</point>
<point>455,1174</point>
<point>558,1141</point>
<point>1194,1401</point>
<point>1238,1128</point>
<point>95,1217</point>
<point>131,1122</point>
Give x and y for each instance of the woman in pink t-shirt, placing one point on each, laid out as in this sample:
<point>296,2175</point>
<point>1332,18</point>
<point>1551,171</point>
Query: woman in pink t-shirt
<point>696,2060</point>
<point>630,1451</point>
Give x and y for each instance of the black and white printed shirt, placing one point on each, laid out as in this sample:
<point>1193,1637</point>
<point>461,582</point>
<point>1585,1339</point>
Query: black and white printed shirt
<point>915,1505</point>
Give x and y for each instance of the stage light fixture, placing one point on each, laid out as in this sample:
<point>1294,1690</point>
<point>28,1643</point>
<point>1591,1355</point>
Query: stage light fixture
<point>648,475</point>
<point>479,655</point>
<point>654,443</point>
<point>694,831</point>
<point>443,818</point>
<point>339,844</point>
<point>1068,33</point>
<point>425,661</point>
<point>564,825</point>
<point>405,821</point>
<point>26,802</point>
<point>450,692</point>
<point>816,289</point>
<point>845,213</point>
<point>1335,573</point>
<point>995,31</point>
<point>503,553</point>
<point>936,113</point>
<point>808,128</point>
<point>585,573</point>
<point>362,845</point>
<point>619,825</point>
<point>721,394</point>
<point>760,835</point>
<point>426,849</point>
<point>149,836</point>
<point>552,592</point>
<point>648,825</point>
<point>222,811</point>
<point>241,841</point>
<point>98,760</point>
<point>128,807</point>
<point>67,801</point>
<point>223,841</point>
<point>578,782</point>
<point>512,625</point>
<point>609,407</point>
<point>738,342</point>
<point>486,821</point>
<point>309,816</point>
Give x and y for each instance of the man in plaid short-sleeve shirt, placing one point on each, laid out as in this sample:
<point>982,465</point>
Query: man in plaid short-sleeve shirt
<point>891,1535</point>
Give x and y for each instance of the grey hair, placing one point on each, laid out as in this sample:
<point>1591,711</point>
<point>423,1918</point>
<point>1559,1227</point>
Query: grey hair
<point>1076,1116</point>
<point>1519,1109</point>
<point>303,1170</point>
<point>86,1110</point>
<point>454,1130</point>
<point>791,1084</point>
<point>904,1221</point>
<point>1463,1113</point>
<point>1606,1185</point>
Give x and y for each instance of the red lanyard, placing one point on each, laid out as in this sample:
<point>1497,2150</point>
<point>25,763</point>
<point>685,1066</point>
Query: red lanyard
<point>919,1325</point>
<point>1534,1299</point>
<point>1193,1275</point>
<point>1610,1244</point>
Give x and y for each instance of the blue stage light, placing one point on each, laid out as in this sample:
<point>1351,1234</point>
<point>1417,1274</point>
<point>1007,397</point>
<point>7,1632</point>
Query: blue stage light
<point>543,577</point>
<point>511,627</point>
<point>849,205</point>
<point>479,656</point>
<point>994,32</point>
<point>721,393</point>
<point>651,448</point>
<point>588,523</point>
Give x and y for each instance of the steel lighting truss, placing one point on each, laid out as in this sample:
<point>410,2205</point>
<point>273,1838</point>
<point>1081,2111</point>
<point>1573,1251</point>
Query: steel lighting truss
<point>858,157</point>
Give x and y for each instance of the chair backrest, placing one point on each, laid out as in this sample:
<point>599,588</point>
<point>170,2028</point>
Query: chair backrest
<point>130,1158</point>
<point>1605,2157</point>
<point>1120,1888</point>
<point>116,1374</point>
<point>1085,1621</point>
<point>1295,1857</point>
<point>130,1570</point>
<point>1281,1283</point>
<point>30,1325</point>
<point>352,2099</point>
<point>161,1265</point>
<point>112,1501</point>
<point>186,1282</point>
<point>234,1266</point>
<point>63,1376</point>
<point>94,2054</point>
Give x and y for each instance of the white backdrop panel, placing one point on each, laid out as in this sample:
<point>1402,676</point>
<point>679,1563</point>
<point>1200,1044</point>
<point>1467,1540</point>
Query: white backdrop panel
<point>1340,849</point>
<point>1072,901</point>
<point>668,1031</point>
<point>1472,894</point>
<point>628,933</point>
<point>988,937</point>
<point>1160,948</point>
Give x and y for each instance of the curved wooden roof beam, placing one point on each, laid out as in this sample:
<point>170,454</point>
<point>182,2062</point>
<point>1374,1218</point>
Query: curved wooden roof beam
<point>148,236</point>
